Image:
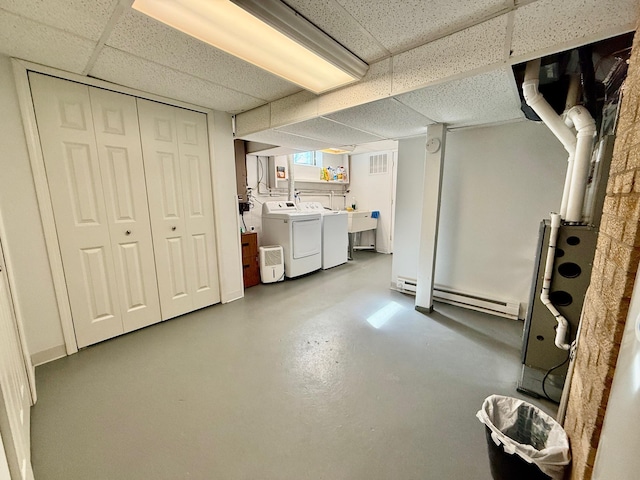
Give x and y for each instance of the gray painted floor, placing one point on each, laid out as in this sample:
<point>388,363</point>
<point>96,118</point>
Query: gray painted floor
<point>292,382</point>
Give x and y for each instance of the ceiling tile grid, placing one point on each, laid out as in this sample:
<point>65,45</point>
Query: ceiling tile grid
<point>475,47</point>
<point>335,134</point>
<point>33,41</point>
<point>387,118</point>
<point>124,69</point>
<point>296,107</point>
<point>548,23</point>
<point>486,98</point>
<point>333,19</point>
<point>85,18</point>
<point>276,137</point>
<point>401,25</point>
<point>147,38</point>
<point>375,85</point>
<point>253,120</point>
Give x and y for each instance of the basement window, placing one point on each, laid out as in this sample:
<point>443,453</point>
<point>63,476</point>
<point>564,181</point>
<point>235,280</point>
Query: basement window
<point>313,159</point>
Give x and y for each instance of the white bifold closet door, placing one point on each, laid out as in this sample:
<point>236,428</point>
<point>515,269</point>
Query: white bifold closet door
<point>178,173</point>
<point>91,145</point>
<point>15,400</point>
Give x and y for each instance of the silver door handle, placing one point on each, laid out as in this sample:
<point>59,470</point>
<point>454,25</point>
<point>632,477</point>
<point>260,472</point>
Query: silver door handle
<point>128,232</point>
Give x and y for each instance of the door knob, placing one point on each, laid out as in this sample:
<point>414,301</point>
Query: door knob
<point>173,228</point>
<point>128,232</point>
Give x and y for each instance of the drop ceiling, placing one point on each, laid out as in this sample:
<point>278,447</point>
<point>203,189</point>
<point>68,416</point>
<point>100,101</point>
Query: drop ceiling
<point>437,61</point>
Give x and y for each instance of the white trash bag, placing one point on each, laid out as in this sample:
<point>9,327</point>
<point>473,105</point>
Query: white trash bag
<point>527,431</point>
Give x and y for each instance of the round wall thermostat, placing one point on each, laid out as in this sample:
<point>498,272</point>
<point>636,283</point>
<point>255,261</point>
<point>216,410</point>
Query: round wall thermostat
<point>433,145</point>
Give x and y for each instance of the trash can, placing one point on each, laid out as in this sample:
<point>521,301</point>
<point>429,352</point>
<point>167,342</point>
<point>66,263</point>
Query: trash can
<point>524,443</point>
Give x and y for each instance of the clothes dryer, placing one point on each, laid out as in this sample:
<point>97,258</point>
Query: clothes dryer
<point>299,234</point>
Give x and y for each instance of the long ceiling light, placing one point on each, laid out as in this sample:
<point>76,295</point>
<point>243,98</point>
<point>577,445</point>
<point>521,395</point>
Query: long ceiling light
<point>266,33</point>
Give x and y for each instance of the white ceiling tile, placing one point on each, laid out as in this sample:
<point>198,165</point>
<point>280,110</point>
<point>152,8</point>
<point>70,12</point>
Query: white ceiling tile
<point>86,18</point>
<point>334,133</point>
<point>401,25</point>
<point>253,120</point>
<point>487,98</point>
<point>375,84</point>
<point>294,108</point>
<point>386,118</point>
<point>547,24</point>
<point>333,19</point>
<point>145,37</point>
<point>456,54</point>
<point>275,137</point>
<point>29,40</point>
<point>124,69</point>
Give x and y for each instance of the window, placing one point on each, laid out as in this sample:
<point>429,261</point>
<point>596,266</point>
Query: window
<point>308,158</point>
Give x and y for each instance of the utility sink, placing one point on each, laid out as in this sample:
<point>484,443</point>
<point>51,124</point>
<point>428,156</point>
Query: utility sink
<point>360,221</point>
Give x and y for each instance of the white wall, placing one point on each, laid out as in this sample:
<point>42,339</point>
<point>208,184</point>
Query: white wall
<point>410,175</point>
<point>374,192</point>
<point>24,239</point>
<point>617,456</point>
<point>499,182</point>
<point>226,205</point>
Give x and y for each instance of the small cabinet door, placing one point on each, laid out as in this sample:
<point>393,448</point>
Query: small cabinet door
<point>250,260</point>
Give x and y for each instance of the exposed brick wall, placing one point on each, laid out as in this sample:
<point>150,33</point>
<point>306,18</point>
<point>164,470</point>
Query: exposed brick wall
<point>612,279</point>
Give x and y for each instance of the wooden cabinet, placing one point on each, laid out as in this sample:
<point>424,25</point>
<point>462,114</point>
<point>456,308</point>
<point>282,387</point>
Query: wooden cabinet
<point>250,262</point>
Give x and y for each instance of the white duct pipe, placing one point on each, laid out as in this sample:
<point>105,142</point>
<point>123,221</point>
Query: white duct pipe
<point>563,324</point>
<point>573,92</point>
<point>567,188</point>
<point>542,108</point>
<point>581,119</point>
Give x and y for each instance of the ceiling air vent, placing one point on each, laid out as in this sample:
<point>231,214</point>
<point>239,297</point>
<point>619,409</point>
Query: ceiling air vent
<point>378,164</point>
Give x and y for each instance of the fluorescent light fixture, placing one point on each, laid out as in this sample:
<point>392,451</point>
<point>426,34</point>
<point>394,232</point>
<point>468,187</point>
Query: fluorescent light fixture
<point>339,150</point>
<point>266,33</point>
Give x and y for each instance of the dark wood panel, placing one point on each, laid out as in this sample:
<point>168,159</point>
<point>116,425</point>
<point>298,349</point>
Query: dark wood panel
<point>250,259</point>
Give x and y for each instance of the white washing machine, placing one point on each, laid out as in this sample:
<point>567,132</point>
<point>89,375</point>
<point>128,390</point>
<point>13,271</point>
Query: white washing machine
<point>299,234</point>
<point>335,236</point>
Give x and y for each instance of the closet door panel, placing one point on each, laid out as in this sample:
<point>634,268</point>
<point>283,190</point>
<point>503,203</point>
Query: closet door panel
<point>164,179</point>
<point>120,155</point>
<point>65,124</point>
<point>15,401</point>
<point>194,161</point>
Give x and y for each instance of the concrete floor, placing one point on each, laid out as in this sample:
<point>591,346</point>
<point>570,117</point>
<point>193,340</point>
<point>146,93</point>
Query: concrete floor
<point>292,382</point>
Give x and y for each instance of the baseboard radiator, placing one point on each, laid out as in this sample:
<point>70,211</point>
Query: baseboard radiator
<point>503,308</point>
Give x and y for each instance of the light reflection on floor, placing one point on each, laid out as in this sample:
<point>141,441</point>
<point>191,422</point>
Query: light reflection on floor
<point>383,315</point>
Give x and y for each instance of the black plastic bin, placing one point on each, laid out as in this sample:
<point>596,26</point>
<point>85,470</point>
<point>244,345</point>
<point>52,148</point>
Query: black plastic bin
<point>524,443</point>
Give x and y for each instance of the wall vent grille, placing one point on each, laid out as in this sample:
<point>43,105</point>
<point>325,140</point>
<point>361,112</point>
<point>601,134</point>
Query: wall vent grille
<point>378,164</point>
